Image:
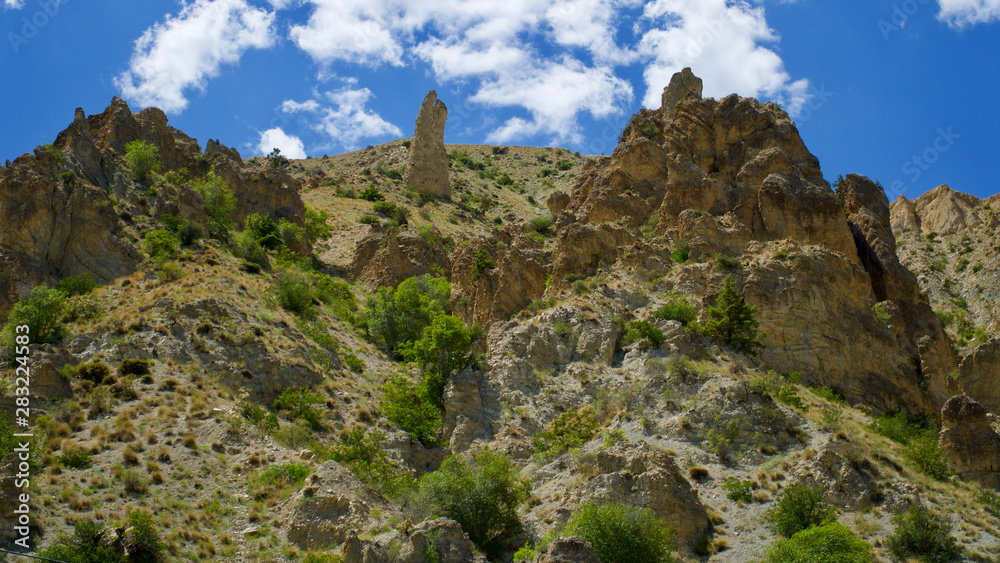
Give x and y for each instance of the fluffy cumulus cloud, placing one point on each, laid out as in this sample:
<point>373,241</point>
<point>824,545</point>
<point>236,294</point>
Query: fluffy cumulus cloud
<point>962,13</point>
<point>276,138</point>
<point>186,50</point>
<point>726,44</point>
<point>342,116</point>
<point>13,4</point>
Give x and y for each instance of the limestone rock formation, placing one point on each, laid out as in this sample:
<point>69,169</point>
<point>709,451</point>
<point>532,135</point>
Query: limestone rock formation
<point>428,168</point>
<point>970,441</point>
<point>440,540</point>
<point>386,260</point>
<point>569,550</point>
<point>681,84</point>
<point>941,210</point>
<point>979,375</point>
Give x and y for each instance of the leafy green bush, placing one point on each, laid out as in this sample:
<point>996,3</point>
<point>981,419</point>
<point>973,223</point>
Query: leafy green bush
<point>143,160</point>
<point>677,310</point>
<point>86,545</point>
<point>396,316</point>
<point>920,439</point>
<point>76,459</point>
<point>219,203</point>
<point>571,429</point>
<point>480,263</point>
<point>301,404</point>
<point>169,271</point>
<point>263,229</point>
<point>259,416</point>
<point>731,321</point>
<point>365,455</point>
<point>95,372</point>
<point>368,219</point>
<point>385,207</point>
<point>77,285</point>
<point>178,177</point>
<point>143,543</point>
<point>738,489</point>
<point>293,292</point>
<point>923,535</point>
<point>371,193</point>
<point>482,497</point>
<point>412,408</point>
<point>541,225</point>
<point>134,367</point>
<point>291,235</point>
<point>444,346</point>
<point>316,227</point>
<point>797,508</point>
<point>161,244</point>
<point>829,543</point>
<point>622,533</point>
<point>681,251</point>
<point>43,314</point>
<point>644,331</point>
<point>245,246</point>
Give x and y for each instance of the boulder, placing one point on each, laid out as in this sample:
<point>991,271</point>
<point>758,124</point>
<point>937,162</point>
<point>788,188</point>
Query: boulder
<point>970,441</point>
<point>433,541</point>
<point>569,550</point>
<point>979,373</point>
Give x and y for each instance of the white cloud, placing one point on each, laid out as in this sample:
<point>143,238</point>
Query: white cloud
<point>962,13</point>
<point>290,145</point>
<point>724,43</point>
<point>590,24</point>
<point>13,4</point>
<point>186,50</point>
<point>343,116</point>
<point>280,4</point>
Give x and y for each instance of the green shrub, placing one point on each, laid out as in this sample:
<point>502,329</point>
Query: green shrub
<point>412,409</point>
<point>369,219</point>
<point>219,203</point>
<point>68,177</point>
<point>316,227</point>
<point>258,415</point>
<point>86,545</point>
<point>263,229</point>
<point>77,285</point>
<point>385,207</point>
<point>245,246</point>
<point>829,543</point>
<point>293,292</point>
<point>291,235</point>
<point>897,427</point>
<point>677,310</point>
<point>134,367</point>
<point>923,535</point>
<point>725,263</point>
<point>731,321</point>
<point>644,331</point>
<point>301,404</point>
<point>738,489</point>
<point>797,508</point>
<point>371,193</point>
<point>571,429</point>
<point>481,263</point>
<point>396,316</point>
<point>170,271</point>
<point>622,533</point>
<point>143,160</point>
<point>354,363</point>
<point>483,497</point>
<point>681,251</point>
<point>365,455</point>
<point>95,372</point>
<point>924,452</point>
<point>143,543</point>
<point>76,459</point>
<point>42,313</point>
<point>444,346</point>
<point>161,244</point>
<point>541,225</point>
<point>178,177</point>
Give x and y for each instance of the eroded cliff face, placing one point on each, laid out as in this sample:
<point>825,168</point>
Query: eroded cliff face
<point>72,209</point>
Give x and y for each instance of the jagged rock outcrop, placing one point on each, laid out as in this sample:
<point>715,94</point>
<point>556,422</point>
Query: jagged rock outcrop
<point>332,504</point>
<point>65,210</point>
<point>440,541</point>
<point>428,167</point>
<point>569,550</point>
<point>979,375</point>
<point>386,259</point>
<point>970,441</point>
<point>941,210</point>
<point>681,84</point>
<point>847,478</point>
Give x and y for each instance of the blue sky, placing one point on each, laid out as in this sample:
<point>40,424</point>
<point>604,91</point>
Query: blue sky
<point>902,91</point>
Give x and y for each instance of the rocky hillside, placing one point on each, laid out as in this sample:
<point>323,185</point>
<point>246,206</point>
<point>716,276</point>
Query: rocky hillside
<point>241,385</point>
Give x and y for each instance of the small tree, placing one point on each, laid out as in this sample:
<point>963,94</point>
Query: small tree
<point>444,347</point>
<point>161,244</point>
<point>143,160</point>
<point>797,508</point>
<point>731,321</point>
<point>622,533</point>
<point>316,227</point>
<point>43,313</point>
<point>301,403</point>
<point>219,203</point>
<point>482,497</point>
<point>264,229</point>
<point>923,535</point>
<point>412,408</point>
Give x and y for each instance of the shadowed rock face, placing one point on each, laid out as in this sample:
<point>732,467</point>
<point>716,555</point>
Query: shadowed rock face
<point>969,440</point>
<point>428,169</point>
